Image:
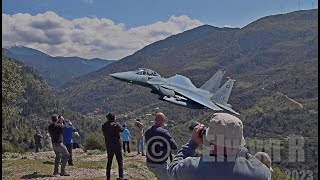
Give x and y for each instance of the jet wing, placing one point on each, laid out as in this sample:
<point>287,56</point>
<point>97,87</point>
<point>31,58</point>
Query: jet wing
<point>194,97</point>
<point>179,79</point>
<point>227,108</point>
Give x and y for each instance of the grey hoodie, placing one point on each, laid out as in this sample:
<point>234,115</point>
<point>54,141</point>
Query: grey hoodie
<point>245,166</point>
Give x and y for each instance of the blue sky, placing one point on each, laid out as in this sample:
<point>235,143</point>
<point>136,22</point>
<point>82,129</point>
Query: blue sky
<point>236,13</point>
<point>131,16</point>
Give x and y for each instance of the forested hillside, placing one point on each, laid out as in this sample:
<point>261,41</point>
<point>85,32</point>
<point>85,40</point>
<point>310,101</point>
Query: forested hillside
<point>27,104</point>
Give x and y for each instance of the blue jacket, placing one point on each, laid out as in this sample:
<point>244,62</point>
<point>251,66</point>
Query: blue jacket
<point>67,134</point>
<point>125,134</point>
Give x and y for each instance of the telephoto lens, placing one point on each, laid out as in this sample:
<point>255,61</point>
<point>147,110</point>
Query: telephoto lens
<point>193,125</point>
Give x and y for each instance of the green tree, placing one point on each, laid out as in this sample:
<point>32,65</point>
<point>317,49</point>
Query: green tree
<point>12,90</point>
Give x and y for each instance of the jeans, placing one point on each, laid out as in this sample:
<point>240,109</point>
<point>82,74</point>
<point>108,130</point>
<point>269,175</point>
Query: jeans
<point>118,154</point>
<point>140,145</point>
<point>159,170</point>
<point>126,143</point>
<point>38,147</point>
<point>60,150</point>
<point>69,148</point>
<point>75,146</point>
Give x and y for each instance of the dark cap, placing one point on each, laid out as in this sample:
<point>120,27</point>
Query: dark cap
<point>111,116</point>
<point>138,119</point>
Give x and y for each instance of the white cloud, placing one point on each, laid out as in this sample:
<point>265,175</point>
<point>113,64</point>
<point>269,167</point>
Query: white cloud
<point>86,37</point>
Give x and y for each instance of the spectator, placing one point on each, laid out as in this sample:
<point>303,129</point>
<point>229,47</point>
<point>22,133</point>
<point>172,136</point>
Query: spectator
<point>76,140</point>
<point>68,139</point>
<point>111,131</point>
<point>157,140</point>
<point>47,142</point>
<point>228,158</point>
<point>265,159</point>
<point>139,135</point>
<point>126,139</point>
<point>55,130</point>
<point>37,140</point>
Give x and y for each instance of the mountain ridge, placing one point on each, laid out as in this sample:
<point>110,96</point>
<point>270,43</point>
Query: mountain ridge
<point>56,70</point>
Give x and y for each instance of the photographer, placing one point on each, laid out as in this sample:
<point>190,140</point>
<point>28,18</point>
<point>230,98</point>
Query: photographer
<point>139,135</point>
<point>111,131</point>
<point>67,134</point>
<point>55,130</point>
<point>228,158</point>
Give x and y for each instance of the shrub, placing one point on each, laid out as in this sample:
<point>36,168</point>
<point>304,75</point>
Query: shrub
<point>6,147</point>
<point>94,152</point>
<point>15,155</point>
<point>95,141</point>
<point>278,173</point>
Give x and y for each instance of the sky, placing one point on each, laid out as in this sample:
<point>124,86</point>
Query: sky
<point>113,29</point>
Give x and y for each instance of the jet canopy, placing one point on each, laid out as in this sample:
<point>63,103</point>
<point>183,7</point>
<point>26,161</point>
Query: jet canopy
<point>146,72</point>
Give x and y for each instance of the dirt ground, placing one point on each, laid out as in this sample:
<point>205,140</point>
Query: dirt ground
<point>86,166</point>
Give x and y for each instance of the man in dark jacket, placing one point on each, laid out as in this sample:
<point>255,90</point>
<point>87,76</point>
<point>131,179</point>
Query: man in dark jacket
<point>159,145</point>
<point>111,131</point>
<point>55,131</point>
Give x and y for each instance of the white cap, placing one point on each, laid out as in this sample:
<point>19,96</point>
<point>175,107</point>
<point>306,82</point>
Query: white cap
<point>225,130</point>
<point>264,158</point>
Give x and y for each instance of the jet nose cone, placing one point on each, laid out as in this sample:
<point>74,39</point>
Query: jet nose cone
<point>116,75</point>
<point>121,76</point>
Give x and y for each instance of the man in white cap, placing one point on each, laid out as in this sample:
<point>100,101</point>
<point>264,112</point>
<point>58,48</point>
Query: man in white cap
<point>228,159</point>
<point>76,140</point>
<point>265,159</point>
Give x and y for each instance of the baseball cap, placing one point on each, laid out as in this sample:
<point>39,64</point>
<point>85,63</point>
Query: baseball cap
<point>264,158</point>
<point>225,130</point>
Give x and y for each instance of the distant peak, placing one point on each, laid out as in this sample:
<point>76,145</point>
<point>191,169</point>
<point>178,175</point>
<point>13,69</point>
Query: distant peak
<point>23,50</point>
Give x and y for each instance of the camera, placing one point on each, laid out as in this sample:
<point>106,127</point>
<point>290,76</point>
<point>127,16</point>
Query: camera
<point>193,125</point>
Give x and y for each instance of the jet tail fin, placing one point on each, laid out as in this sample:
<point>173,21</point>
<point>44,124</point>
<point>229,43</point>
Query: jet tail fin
<point>222,95</point>
<point>213,84</point>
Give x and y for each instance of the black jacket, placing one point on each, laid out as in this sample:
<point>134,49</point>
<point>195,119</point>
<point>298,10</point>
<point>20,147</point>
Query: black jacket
<point>55,131</point>
<point>163,142</point>
<point>111,132</point>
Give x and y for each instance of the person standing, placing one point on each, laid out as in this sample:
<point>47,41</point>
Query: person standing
<point>55,130</point>
<point>159,145</point>
<point>68,139</point>
<point>47,142</point>
<point>76,140</point>
<point>37,140</point>
<point>139,135</point>
<point>126,139</point>
<point>111,131</point>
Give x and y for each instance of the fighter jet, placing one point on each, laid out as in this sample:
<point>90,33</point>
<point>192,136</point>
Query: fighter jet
<point>180,90</point>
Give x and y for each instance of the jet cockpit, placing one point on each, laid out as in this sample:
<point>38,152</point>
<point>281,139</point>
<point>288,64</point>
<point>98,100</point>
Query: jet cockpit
<point>147,72</point>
